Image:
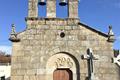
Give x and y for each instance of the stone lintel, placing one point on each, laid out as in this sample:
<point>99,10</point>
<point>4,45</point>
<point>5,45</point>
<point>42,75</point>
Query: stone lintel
<point>53,21</point>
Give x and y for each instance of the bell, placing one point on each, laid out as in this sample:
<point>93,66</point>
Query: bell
<point>42,2</point>
<point>63,2</point>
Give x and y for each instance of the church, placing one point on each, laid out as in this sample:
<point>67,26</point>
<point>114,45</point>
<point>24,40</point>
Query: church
<point>54,48</point>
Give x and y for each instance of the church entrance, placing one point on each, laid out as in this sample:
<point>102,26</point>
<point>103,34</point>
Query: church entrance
<point>62,74</point>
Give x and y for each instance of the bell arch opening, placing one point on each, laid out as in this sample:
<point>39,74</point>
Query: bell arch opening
<point>61,9</point>
<point>42,10</point>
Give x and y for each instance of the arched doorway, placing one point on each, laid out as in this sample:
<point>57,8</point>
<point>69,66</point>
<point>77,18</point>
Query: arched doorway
<point>62,74</point>
<point>64,63</point>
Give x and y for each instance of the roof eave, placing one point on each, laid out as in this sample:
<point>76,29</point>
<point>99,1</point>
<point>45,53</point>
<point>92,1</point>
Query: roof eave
<point>97,31</point>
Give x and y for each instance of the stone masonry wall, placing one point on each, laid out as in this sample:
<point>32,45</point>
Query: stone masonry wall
<point>40,41</point>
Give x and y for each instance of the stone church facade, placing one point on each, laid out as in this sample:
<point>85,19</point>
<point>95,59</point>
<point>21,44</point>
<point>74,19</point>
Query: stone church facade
<point>51,48</point>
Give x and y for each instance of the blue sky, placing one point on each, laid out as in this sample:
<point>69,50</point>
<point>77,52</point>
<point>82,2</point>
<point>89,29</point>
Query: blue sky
<point>96,13</point>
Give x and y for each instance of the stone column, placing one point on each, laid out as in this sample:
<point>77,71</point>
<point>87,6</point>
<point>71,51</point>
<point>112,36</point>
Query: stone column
<point>51,8</point>
<point>73,8</point>
<point>33,8</point>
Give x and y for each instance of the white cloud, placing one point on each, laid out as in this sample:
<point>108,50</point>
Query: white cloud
<point>6,49</point>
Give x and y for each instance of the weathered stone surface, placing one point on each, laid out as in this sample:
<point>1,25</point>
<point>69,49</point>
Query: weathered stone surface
<point>33,9</point>
<point>73,9</point>
<point>17,78</point>
<point>51,8</point>
<point>31,72</point>
<point>40,44</point>
<point>26,77</point>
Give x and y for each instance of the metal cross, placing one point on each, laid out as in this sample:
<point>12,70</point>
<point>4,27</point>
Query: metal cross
<point>90,57</point>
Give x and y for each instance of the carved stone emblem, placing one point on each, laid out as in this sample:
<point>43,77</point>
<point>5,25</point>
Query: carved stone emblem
<point>63,62</point>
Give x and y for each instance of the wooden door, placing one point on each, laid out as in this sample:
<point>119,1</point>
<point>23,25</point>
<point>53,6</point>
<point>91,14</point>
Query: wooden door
<point>62,74</point>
